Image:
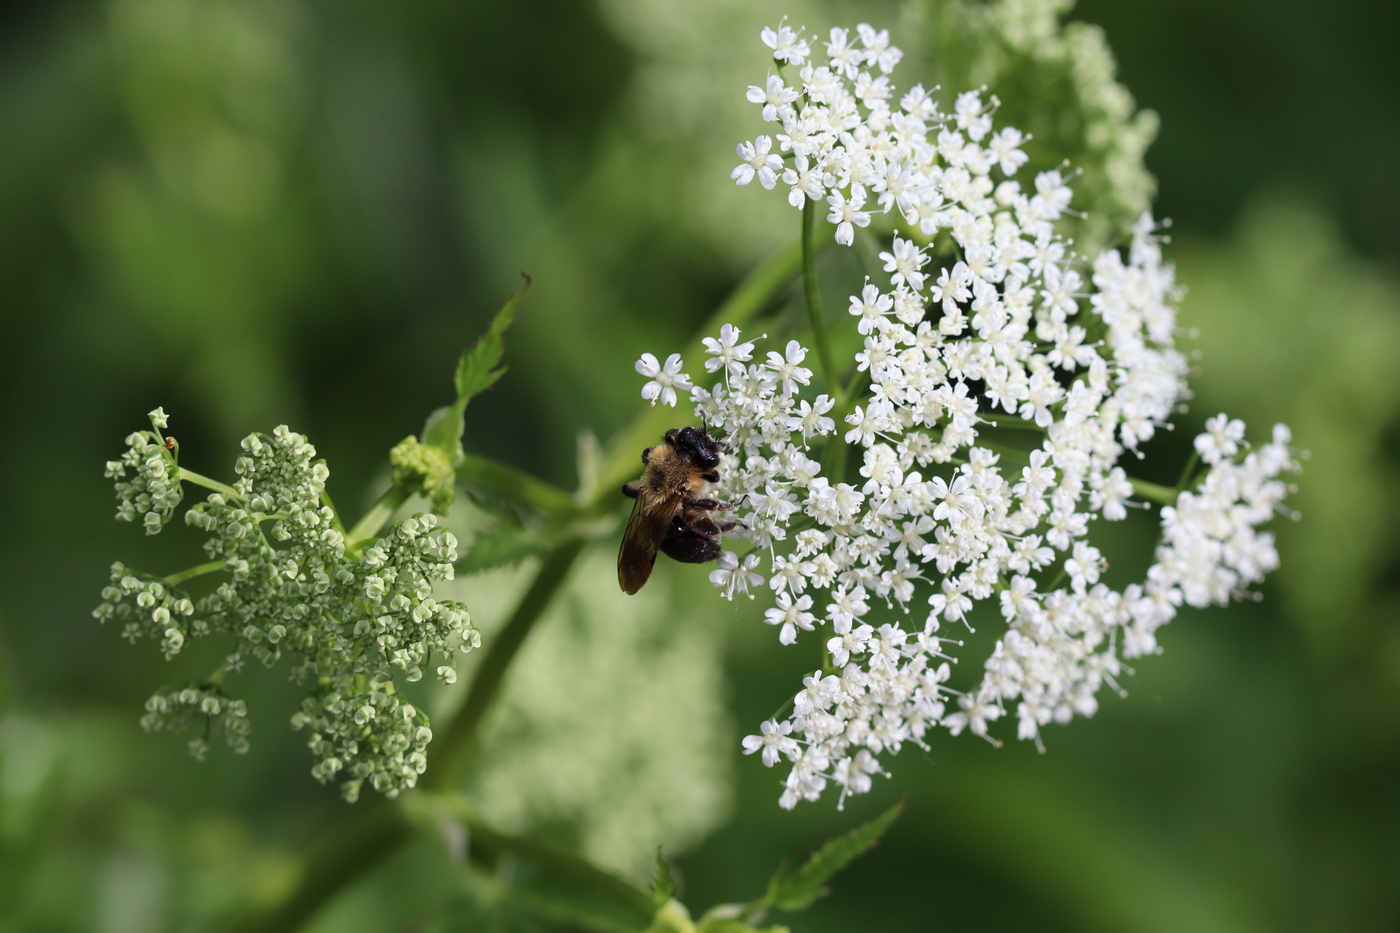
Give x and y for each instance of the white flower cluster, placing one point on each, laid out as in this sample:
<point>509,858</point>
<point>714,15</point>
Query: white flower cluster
<point>1008,341</point>
<point>176,708</point>
<point>355,622</point>
<point>153,490</point>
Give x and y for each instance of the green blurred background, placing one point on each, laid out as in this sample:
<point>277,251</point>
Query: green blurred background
<point>262,212</point>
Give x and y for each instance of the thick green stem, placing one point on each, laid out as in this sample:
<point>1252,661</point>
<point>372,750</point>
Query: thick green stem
<point>456,744</point>
<point>377,516</point>
<point>349,850</point>
<point>517,485</point>
<point>626,904</point>
<point>175,579</point>
<point>190,476</point>
<point>814,304</point>
<point>1153,492</point>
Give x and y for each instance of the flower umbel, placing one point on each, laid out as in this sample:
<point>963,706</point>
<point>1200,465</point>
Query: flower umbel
<point>356,623</point>
<point>1012,337</point>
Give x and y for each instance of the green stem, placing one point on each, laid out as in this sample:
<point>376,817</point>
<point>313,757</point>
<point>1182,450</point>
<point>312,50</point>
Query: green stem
<point>175,579</point>
<point>190,476</point>
<point>1013,423</point>
<point>326,501</point>
<point>814,304</point>
<point>377,516</point>
<point>457,743</point>
<point>630,906</point>
<point>1012,452</point>
<point>1187,471</point>
<point>836,451</point>
<point>516,484</point>
<point>349,850</point>
<point>835,455</point>
<point>1162,495</point>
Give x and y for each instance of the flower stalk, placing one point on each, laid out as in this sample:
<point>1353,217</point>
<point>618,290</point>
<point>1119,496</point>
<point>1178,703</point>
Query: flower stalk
<point>814,303</point>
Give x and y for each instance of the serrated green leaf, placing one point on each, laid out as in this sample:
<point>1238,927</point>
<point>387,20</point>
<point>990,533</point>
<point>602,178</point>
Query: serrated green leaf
<point>798,890</point>
<point>568,888</point>
<point>665,886</point>
<point>478,368</point>
<point>506,542</point>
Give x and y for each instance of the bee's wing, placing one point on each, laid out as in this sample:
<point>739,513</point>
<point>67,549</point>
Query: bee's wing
<point>646,529</point>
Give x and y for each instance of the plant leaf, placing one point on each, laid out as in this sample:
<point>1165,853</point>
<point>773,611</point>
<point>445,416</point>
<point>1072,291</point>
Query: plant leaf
<point>798,890</point>
<point>506,542</point>
<point>566,887</point>
<point>477,370</point>
<point>665,886</point>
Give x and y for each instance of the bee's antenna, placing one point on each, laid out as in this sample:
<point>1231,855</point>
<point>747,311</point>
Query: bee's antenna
<point>704,421</point>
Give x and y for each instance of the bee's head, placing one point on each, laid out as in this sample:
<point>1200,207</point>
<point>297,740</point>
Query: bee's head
<point>696,445</point>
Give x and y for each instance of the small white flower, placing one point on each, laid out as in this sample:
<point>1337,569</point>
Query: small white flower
<point>775,97</point>
<point>791,615</point>
<point>727,352</point>
<point>775,740</point>
<point>785,366</point>
<point>847,211</point>
<point>787,44</point>
<point>1221,439</point>
<point>735,577</point>
<point>757,160</point>
<point>666,380</point>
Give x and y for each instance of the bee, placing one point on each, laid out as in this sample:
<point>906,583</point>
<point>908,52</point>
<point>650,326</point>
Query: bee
<point>670,513</point>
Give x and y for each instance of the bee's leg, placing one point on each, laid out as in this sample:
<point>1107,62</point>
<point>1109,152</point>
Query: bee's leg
<point>646,455</point>
<point>630,490</point>
<point>710,477</point>
<point>670,436</point>
<point>714,505</point>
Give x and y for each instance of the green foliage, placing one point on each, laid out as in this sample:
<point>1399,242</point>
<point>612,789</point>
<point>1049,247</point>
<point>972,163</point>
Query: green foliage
<point>664,887</point>
<point>1055,81</point>
<point>797,890</point>
<point>503,540</point>
<point>478,369</point>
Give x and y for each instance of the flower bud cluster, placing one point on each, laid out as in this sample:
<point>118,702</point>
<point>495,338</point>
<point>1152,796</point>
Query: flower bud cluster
<point>148,608</point>
<point>361,726</point>
<point>357,623</point>
<point>174,709</point>
<point>1004,388</point>
<point>153,489</point>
